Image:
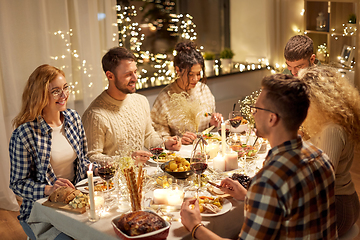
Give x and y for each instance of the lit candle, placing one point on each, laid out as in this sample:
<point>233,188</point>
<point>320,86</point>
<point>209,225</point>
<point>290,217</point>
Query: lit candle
<point>231,161</point>
<point>160,196</point>
<point>219,163</point>
<point>223,138</point>
<point>91,192</point>
<point>212,149</point>
<point>175,197</point>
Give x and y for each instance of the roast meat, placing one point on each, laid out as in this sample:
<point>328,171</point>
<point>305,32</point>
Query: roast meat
<point>140,222</point>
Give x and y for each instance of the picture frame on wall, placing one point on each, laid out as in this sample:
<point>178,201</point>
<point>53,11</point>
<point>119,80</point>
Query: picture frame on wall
<point>347,55</point>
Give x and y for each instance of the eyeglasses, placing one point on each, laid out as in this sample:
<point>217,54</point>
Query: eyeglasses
<point>254,109</point>
<point>56,93</point>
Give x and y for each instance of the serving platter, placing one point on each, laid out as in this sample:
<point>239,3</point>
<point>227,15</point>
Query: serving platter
<point>225,208</point>
<point>83,185</point>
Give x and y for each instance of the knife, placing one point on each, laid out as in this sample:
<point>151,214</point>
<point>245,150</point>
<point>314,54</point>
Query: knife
<point>86,184</point>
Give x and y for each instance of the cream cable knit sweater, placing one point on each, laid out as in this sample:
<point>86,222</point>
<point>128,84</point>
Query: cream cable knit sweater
<point>113,125</point>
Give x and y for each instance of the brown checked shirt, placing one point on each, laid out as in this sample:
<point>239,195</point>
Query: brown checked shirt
<point>292,196</point>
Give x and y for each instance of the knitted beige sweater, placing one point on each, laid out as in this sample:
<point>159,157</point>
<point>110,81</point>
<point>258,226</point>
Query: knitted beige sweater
<point>334,141</point>
<point>112,126</point>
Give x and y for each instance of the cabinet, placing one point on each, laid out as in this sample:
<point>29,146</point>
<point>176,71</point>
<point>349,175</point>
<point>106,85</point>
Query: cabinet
<point>334,35</point>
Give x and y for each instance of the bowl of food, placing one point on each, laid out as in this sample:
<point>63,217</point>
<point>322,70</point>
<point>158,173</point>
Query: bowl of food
<point>240,126</point>
<point>178,168</point>
<point>140,225</point>
<point>245,150</point>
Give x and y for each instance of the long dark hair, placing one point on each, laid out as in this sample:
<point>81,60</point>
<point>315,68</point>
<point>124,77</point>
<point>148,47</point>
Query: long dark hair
<point>187,56</point>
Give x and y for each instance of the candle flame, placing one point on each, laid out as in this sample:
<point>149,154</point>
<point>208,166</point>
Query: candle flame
<point>90,167</point>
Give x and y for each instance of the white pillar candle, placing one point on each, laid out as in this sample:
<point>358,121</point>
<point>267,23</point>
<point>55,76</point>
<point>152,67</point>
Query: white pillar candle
<point>231,161</point>
<point>160,196</point>
<point>91,192</point>
<point>212,149</point>
<point>99,202</point>
<point>219,162</point>
<point>175,197</point>
<point>223,138</point>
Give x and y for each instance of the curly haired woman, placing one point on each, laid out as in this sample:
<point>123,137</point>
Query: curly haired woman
<point>333,125</point>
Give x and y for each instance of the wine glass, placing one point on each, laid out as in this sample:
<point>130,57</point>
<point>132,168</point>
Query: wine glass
<point>157,150</point>
<point>107,169</point>
<point>198,163</point>
<point>235,118</point>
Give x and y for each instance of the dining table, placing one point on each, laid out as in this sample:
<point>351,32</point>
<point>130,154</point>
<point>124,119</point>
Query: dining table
<point>47,222</point>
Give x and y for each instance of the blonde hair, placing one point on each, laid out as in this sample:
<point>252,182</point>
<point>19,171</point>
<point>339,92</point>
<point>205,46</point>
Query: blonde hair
<point>333,100</point>
<point>36,94</point>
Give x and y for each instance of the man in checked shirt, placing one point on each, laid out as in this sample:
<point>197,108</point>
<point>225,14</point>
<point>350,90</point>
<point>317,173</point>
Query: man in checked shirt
<point>292,196</point>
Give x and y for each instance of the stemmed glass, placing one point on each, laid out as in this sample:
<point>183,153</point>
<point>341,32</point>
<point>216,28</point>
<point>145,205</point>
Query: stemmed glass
<point>157,150</point>
<point>107,170</point>
<point>235,118</point>
<point>198,163</point>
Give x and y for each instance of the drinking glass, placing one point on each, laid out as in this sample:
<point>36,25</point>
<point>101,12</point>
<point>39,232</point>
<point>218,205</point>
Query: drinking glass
<point>198,163</point>
<point>107,169</point>
<point>235,118</point>
<point>157,150</point>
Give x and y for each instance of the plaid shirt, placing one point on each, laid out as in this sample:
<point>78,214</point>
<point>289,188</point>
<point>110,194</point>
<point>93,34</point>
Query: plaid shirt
<point>168,125</point>
<point>30,148</point>
<point>292,196</point>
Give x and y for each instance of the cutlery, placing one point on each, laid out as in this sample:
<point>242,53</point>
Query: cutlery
<point>86,184</point>
<point>218,186</point>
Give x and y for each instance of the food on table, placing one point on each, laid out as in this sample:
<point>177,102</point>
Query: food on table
<point>210,204</point>
<point>244,149</point>
<point>210,136</point>
<point>64,194</point>
<point>101,186</point>
<point>140,222</point>
<point>243,179</point>
<point>80,201</point>
<point>164,181</point>
<point>179,164</point>
<point>165,157</point>
<point>134,186</point>
<point>237,121</point>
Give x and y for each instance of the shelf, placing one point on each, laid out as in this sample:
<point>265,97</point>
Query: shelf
<point>336,13</point>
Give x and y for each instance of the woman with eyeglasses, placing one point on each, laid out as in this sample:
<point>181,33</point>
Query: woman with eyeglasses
<point>333,125</point>
<point>48,147</point>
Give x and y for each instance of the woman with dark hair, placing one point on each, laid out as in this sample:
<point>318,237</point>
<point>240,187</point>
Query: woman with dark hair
<point>48,147</point>
<point>333,125</point>
<point>189,67</point>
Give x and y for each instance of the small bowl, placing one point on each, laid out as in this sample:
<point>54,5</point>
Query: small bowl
<point>155,235</point>
<point>178,175</point>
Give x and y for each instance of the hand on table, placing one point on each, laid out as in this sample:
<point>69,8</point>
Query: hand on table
<point>190,217</point>
<point>216,119</point>
<point>140,156</point>
<point>60,182</point>
<point>234,188</point>
<point>188,138</point>
<point>173,143</point>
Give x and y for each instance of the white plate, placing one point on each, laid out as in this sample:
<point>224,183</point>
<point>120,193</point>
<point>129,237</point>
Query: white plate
<point>83,188</point>
<point>225,208</point>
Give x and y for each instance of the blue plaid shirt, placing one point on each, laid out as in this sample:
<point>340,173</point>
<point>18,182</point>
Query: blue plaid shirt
<point>30,148</point>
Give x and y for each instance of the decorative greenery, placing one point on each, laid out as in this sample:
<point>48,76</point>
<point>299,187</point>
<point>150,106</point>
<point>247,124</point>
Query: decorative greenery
<point>209,56</point>
<point>245,104</point>
<point>226,53</point>
<point>352,18</point>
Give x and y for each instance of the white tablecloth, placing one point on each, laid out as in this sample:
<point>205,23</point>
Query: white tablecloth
<point>42,219</point>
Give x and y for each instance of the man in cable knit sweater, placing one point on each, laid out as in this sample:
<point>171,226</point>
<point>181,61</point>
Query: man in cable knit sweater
<point>119,119</point>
